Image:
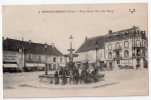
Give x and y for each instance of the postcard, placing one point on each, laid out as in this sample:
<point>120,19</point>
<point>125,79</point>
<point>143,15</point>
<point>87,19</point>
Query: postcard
<point>75,50</point>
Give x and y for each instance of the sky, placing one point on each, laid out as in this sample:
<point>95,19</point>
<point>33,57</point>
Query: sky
<point>40,23</point>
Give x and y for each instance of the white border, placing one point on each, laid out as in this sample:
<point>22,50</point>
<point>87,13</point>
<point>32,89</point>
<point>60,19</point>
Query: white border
<point>30,2</point>
<point>22,2</point>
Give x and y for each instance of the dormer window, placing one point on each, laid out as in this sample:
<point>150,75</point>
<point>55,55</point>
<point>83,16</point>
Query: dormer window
<point>126,34</point>
<point>117,36</point>
<point>138,33</point>
<point>109,37</point>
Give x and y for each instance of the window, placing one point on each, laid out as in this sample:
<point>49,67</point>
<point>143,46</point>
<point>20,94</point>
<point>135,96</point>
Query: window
<point>118,36</point>
<point>126,53</point>
<point>110,55</point>
<point>30,57</point>
<point>144,44</point>
<point>87,56</point>
<point>138,43</point>
<point>118,45</point>
<point>117,54</point>
<point>100,55</point>
<point>109,37</point>
<point>118,61</point>
<point>54,67</point>
<point>54,59</point>
<point>109,47</point>
<point>137,33</point>
<point>126,34</point>
<point>138,52</point>
<point>60,60</point>
<point>39,58</point>
<point>126,44</point>
<point>143,52</point>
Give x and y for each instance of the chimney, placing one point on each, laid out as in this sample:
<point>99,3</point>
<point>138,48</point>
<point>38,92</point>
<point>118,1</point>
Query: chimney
<point>134,26</point>
<point>53,45</point>
<point>86,38</point>
<point>29,41</point>
<point>110,31</point>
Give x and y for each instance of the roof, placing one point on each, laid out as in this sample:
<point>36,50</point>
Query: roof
<point>89,44</point>
<point>122,31</point>
<point>126,33</point>
<point>35,48</point>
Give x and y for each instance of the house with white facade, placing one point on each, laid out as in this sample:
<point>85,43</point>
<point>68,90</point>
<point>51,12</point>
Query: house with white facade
<point>88,52</point>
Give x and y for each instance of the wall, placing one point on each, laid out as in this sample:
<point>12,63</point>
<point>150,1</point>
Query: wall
<point>42,58</point>
<point>90,55</point>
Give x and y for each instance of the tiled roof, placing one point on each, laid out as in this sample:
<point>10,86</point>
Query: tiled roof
<point>90,44</point>
<point>127,33</point>
<point>35,48</point>
<point>122,31</point>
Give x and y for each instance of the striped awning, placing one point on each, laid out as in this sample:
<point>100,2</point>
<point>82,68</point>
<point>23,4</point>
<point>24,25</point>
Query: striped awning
<point>62,65</point>
<point>41,65</point>
<point>10,65</point>
<point>31,65</point>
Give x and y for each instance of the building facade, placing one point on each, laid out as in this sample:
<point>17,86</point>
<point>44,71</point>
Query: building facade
<point>29,55</point>
<point>118,50</point>
<point>126,48</point>
<point>91,50</point>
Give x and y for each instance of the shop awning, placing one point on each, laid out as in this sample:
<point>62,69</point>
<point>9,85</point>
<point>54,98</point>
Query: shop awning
<point>41,65</point>
<point>35,64</point>
<point>10,65</point>
<point>31,65</point>
<point>79,62</point>
<point>92,61</point>
<point>62,65</point>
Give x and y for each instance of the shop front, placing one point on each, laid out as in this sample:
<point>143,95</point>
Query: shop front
<point>10,67</point>
<point>30,67</point>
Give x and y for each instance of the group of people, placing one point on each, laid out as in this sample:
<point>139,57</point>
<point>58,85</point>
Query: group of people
<point>76,76</point>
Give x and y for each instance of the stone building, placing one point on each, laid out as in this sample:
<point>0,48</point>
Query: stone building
<point>122,49</point>
<point>126,48</point>
<point>26,54</point>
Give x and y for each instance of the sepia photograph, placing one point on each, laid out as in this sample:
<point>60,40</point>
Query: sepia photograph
<point>75,50</point>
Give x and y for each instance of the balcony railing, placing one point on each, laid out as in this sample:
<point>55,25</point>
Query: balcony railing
<point>139,47</point>
<point>138,55</point>
<point>118,49</point>
<point>118,57</point>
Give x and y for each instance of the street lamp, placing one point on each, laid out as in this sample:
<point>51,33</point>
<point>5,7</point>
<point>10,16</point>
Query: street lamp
<point>46,70</point>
